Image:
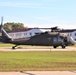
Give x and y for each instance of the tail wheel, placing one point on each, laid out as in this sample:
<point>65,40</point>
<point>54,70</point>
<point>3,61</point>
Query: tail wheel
<point>13,47</point>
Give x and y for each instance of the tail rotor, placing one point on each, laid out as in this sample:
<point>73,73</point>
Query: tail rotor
<point>2,20</point>
<point>1,23</point>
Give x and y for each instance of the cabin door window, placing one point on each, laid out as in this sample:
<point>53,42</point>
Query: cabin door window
<point>59,39</point>
<point>55,39</point>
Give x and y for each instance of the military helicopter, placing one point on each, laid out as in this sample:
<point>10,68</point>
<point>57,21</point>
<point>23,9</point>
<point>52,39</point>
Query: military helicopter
<point>52,38</point>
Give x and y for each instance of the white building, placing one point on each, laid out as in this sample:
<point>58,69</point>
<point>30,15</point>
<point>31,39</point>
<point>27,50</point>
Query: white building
<point>26,33</point>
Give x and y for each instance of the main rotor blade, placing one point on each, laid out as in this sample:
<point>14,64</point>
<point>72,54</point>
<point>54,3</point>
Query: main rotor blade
<point>40,28</point>
<point>46,28</point>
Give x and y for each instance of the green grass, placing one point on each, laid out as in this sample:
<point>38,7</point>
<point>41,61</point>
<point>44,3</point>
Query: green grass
<point>6,45</point>
<point>37,61</point>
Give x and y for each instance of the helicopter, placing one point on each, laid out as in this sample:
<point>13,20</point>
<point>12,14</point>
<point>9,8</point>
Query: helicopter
<point>49,38</point>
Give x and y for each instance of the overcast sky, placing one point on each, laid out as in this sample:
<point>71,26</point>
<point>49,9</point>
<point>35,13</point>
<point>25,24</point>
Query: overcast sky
<point>40,13</point>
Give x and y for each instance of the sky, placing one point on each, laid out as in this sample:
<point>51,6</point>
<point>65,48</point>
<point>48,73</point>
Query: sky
<point>40,13</point>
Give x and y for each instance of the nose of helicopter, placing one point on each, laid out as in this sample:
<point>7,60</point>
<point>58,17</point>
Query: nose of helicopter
<point>72,41</point>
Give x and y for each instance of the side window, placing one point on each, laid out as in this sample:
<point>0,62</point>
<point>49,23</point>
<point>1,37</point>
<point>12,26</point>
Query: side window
<point>30,33</point>
<point>55,39</point>
<point>59,39</point>
<point>0,34</point>
<point>75,34</point>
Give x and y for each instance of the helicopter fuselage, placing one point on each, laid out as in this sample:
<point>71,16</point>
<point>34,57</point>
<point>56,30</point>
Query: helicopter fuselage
<point>44,39</point>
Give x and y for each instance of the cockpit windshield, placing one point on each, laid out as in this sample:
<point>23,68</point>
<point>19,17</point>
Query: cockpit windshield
<point>71,40</point>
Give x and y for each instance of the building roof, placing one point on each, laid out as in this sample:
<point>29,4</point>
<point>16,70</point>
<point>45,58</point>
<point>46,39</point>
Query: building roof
<point>27,29</point>
<point>23,30</point>
<point>62,31</point>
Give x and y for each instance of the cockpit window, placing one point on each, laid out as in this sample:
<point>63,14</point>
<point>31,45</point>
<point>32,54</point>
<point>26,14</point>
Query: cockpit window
<point>57,39</point>
<point>71,39</point>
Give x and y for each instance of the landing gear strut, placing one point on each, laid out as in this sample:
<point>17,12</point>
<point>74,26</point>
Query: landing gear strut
<point>14,46</point>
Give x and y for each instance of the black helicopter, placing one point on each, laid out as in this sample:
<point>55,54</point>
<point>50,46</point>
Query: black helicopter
<point>52,38</point>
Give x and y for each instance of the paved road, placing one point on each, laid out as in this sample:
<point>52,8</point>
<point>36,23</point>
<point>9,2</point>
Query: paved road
<point>39,73</point>
<point>39,49</point>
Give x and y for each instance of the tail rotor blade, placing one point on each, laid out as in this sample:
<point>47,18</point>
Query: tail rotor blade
<point>1,21</point>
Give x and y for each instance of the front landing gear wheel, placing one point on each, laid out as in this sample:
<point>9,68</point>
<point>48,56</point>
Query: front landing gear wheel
<point>54,46</point>
<point>63,46</point>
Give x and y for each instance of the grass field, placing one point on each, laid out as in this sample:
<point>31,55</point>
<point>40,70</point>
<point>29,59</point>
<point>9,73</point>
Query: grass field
<point>37,61</point>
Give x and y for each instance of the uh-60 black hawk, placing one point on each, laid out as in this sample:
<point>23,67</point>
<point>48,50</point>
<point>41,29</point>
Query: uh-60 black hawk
<point>52,38</point>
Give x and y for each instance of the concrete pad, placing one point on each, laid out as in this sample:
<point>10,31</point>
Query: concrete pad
<point>39,49</point>
<point>39,73</point>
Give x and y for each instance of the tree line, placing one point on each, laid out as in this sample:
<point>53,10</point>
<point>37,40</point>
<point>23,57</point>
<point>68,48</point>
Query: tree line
<point>9,27</point>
